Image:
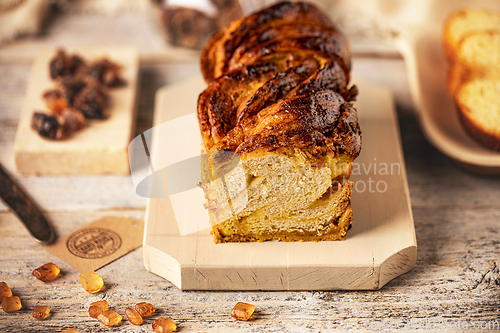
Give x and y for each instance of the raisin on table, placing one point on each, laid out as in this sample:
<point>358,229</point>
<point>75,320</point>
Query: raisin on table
<point>47,126</point>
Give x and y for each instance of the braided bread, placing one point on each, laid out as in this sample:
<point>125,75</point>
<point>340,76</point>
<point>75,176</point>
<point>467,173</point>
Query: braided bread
<point>278,99</point>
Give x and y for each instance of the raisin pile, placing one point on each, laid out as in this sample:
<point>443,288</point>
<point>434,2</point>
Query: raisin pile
<point>81,93</point>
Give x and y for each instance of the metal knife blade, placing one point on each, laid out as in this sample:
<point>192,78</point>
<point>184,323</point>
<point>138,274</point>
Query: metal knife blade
<point>25,209</point>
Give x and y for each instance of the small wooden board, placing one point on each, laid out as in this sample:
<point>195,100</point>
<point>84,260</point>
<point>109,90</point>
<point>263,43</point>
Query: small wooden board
<point>100,147</point>
<point>380,246</point>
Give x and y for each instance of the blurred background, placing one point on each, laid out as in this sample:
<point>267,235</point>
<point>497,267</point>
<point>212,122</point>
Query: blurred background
<point>172,29</point>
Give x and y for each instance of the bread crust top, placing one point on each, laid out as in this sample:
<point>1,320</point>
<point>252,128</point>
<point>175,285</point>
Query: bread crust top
<point>278,82</point>
<point>320,124</point>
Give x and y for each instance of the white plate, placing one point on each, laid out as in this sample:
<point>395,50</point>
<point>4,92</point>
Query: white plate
<point>380,246</point>
<point>427,67</point>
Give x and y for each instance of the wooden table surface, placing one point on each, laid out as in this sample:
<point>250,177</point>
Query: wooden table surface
<point>456,280</point>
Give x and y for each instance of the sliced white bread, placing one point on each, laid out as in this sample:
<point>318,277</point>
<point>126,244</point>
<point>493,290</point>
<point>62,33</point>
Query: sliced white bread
<point>464,22</point>
<point>478,104</point>
<point>471,39</point>
<point>477,55</point>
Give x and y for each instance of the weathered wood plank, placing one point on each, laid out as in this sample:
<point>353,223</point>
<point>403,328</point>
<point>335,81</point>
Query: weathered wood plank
<point>456,278</point>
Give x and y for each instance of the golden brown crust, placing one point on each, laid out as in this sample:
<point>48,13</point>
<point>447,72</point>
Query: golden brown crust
<point>276,89</point>
<point>294,39</point>
<point>457,74</point>
<point>312,28</point>
<point>278,100</point>
<point>277,33</point>
<point>319,123</point>
<point>463,22</point>
<point>207,57</point>
<point>288,90</point>
<point>329,46</point>
<point>217,105</point>
<point>449,42</point>
<point>232,98</point>
<point>467,65</point>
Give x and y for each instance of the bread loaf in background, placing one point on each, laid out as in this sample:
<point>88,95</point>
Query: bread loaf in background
<point>467,21</point>
<point>471,40</point>
<point>278,100</point>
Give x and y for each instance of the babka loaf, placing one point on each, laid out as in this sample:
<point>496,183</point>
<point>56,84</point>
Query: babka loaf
<point>471,39</point>
<point>278,124</point>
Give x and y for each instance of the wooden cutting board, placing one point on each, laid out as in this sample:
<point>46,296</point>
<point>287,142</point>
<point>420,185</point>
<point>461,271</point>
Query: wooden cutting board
<point>100,147</point>
<point>380,246</point>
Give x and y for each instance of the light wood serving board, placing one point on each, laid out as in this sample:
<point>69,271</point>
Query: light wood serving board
<point>380,246</point>
<point>100,147</point>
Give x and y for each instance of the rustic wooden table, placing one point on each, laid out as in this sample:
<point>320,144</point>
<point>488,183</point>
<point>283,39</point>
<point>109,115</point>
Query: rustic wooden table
<point>454,285</point>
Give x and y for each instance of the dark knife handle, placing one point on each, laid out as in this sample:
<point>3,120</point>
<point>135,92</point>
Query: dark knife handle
<point>25,209</point>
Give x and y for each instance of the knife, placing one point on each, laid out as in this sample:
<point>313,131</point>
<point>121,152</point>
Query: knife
<point>25,209</point>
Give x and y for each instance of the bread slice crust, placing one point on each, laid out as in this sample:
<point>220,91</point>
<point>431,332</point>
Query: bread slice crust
<point>471,39</point>
<point>216,55</point>
<point>485,131</point>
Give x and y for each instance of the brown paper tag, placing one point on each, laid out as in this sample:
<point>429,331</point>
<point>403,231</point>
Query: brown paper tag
<point>98,243</point>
